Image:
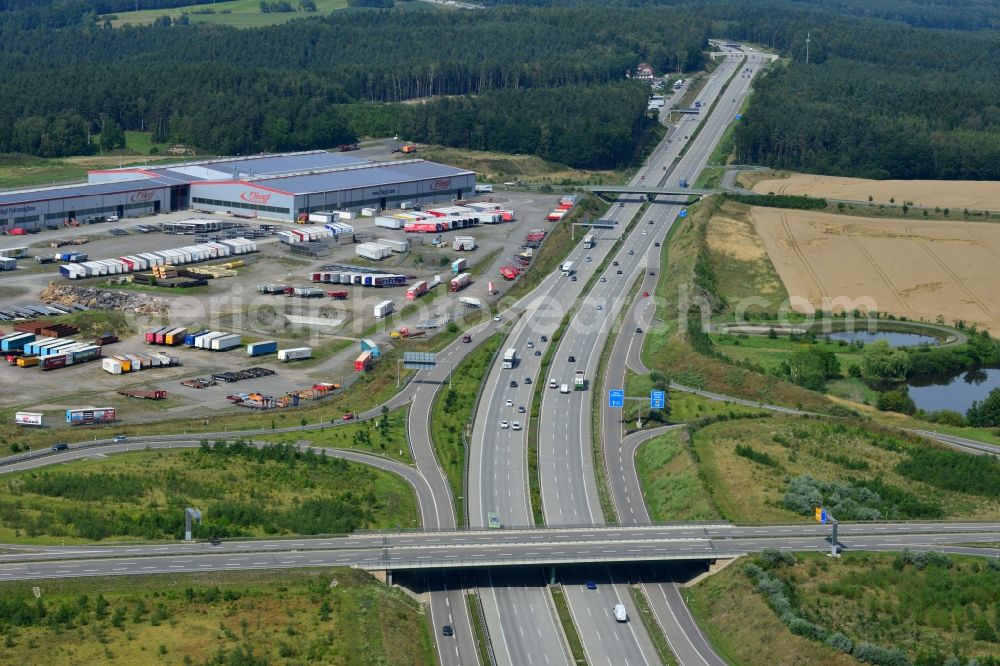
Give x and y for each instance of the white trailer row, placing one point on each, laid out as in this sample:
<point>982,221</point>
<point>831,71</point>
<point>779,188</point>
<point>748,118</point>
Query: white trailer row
<point>397,246</point>
<point>146,260</point>
<point>374,251</point>
<point>306,235</point>
<point>125,363</point>
<point>389,222</point>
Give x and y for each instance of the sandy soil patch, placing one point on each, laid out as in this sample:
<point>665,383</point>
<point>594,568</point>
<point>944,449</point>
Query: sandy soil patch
<point>918,269</point>
<point>955,194</point>
<point>735,239</point>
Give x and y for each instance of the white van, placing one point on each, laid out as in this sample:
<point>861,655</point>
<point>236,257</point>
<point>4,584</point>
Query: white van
<point>621,615</point>
<point>564,388</point>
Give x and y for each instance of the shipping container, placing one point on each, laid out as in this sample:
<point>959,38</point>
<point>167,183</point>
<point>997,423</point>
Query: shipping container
<point>294,354</point>
<point>205,341</point>
<point>323,218</point>
<point>459,282</point>
<point>262,348</point>
<point>226,342</point>
<point>363,362</point>
<point>189,338</point>
<point>175,336</point>
<point>151,334</point>
<point>15,341</point>
<point>87,415</point>
<point>384,309</point>
<point>416,291</point>
<point>28,418</point>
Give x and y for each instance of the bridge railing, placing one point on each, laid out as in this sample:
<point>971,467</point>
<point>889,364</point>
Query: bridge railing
<point>391,564</point>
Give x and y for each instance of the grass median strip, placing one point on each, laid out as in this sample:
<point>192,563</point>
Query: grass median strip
<point>451,414</point>
<point>476,613</point>
<point>569,628</point>
<point>652,626</point>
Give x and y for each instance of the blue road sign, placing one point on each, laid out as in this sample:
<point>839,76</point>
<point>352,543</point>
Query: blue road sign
<point>616,398</point>
<point>657,399</point>
<point>739,116</point>
<point>822,517</point>
<point>683,213</point>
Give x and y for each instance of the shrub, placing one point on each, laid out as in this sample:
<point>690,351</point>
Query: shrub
<point>839,641</point>
<point>879,656</point>
<point>772,558</point>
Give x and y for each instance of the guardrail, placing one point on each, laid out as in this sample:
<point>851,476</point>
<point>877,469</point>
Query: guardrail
<point>486,627</point>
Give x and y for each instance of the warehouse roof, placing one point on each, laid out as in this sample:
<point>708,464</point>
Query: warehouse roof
<point>82,190</point>
<point>371,174</point>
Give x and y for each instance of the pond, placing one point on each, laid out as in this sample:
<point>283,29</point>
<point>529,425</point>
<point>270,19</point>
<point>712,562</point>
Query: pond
<point>954,392</point>
<point>894,339</point>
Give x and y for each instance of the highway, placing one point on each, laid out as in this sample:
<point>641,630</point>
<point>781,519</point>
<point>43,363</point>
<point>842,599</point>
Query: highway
<point>569,488</point>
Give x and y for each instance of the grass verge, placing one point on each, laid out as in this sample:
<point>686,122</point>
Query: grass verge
<point>667,657</point>
<point>384,436</point>
<point>232,617</point>
<point>568,626</point>
<point>671,481</point>
<point>475,612</point>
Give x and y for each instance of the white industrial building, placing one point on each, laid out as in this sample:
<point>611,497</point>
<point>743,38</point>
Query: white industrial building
<point>276,187</point>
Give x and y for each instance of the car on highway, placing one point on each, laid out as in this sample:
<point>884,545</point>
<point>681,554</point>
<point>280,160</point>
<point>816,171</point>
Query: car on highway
<point>215,541</point>
<point>644,232</point>
<point>508,403</point>
<point>544,338</point>
<point>650,222</point>
<point>446,630</point>
<point>553,383</point>
<point>60,446</point>
<point>621,205</point>
<point>638,330</point>
<point>516,425</point>
<point>571,359</point>
<point>538,352</point>
<point>645,294</point>
<point>531,345</point>
<point>497,318</point>
<point>513,383</point>
<point>520,409</point>
<point>589,259</point>
<point>573,279</point>
<point>466,338</point>
<point>527,380</point>
<point>657,243</point>
<point>591,585</point>
<point>504,425</point>
<point>631,252</point>
<point>600,307</point>
<point>118,439</point>
<point>604,279</point>
<point>564,388</point>
<point>618,272</point>
<point>349,416</point>
<point>614,263</point>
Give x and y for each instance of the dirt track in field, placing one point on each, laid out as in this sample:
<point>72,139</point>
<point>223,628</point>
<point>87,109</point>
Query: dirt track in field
<point>917,269</point>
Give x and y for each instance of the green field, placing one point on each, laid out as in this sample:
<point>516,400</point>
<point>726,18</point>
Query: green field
<point>684,407</point>
<point>928,610</point>
<point>241,491</point>
<point>770,353</point>
<point>748,468</point>
<point>330,616</point>
<point>452,412</point>
<point>237,13</point>
<point>27,171</point>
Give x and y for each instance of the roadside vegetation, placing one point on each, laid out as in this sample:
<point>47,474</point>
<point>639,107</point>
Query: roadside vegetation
<point>235,13</point>
<point>905,609</point>
<point>331,616</point>
<point>672,485</point>
<point>241,491</point>
<point>780,468</point>
<point>451,417</point>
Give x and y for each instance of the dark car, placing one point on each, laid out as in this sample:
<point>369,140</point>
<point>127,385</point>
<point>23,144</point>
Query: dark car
<point>614,263</point>
<point>638,330</point>
<point>60,446</point>
<point>466,338</point>
<point>538,352</point>
<point>544,338</point>
<point>657,243</point>
<point>571,359</point>
<point>618,272</point>
<point>513,384</point>
<point>591,585</point>
<point>215,541</point>
<point>527,380</point>
<point>446,630</point>
<point>650,222</point>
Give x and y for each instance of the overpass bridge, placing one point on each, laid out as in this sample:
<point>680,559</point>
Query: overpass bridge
<point>650,193</point>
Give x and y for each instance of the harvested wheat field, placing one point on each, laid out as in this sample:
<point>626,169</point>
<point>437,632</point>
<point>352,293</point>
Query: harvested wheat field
<point>917,269</point>
<point>954,194</point>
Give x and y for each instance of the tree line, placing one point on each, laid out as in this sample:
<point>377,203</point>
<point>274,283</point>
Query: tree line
<point>281,87</point>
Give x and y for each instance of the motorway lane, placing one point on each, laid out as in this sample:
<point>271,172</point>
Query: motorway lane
<point>569,486</point>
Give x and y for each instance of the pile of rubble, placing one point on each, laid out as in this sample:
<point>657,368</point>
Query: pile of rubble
<point>103,299</point>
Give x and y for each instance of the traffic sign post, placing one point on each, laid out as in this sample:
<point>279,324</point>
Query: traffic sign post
<point>823,517</point>
<point>616,398</point>
<point>657,399</point>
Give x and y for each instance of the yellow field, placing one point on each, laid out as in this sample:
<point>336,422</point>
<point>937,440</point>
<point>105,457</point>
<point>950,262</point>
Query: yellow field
<point>954,194</point>
<point>917,269</point>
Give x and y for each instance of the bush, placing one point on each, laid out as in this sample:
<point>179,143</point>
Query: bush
<point>879,656</point>
<point>896,400</point>
<point>758,457</point>
<point>772,558</point>
<point>807,629</point>
<point>839,641</point>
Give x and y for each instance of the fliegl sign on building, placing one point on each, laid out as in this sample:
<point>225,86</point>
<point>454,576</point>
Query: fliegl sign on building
<point>256,197</point>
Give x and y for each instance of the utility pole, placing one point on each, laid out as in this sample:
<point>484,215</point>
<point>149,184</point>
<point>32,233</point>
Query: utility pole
<point>807,47</point>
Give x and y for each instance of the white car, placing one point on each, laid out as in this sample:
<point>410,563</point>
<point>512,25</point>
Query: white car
<point>509,403</point>
<point>553,383</point>
<point>531,345</point>
<point>504,425</point>
<point>497,318</point>
<point>516,425</point>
